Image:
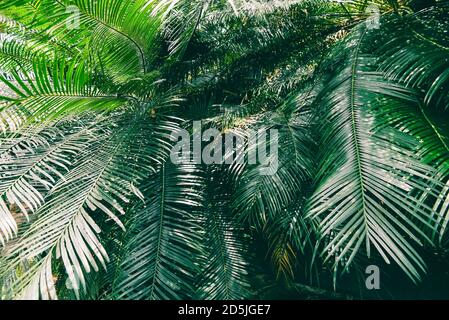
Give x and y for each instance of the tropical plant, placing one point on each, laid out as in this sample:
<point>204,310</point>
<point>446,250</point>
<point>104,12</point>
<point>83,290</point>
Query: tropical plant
<point>92,207</point>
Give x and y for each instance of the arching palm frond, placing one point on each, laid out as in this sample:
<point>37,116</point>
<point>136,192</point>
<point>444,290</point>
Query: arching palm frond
<point>226,271</point>
<point>262,192</point>
<point>419,60</point>
<point>57,90</point>
<point>417,54</point>
<point>122,38</point>
<point>160,259</point>
<point>21,46</point>
<point>105,178</point>
<point>17,55</point>
<point>289,233</point>
<point>425,125</point>
<point>366,181</point>
<point>27,174</point>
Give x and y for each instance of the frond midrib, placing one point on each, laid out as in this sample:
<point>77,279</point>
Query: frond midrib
<point>160,230</point>
<point>355,134</point>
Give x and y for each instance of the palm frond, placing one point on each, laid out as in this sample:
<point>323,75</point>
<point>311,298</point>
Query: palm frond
<point>260,193</point>
<point>104,179</point>
<point>29,173</point>
<point>417,54</point>
<point>59,88</point>
<point>367,179</point>
<point>160,259</point>
<point>226,270</point>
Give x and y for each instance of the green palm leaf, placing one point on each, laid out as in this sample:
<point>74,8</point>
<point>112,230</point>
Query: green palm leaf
<point>27,176</point>
<point>57,90</point>
<point>105,178</point>
<point>160,259</point>
<point>225,272</point>
<point>417,54</point>
<point>366,184</point>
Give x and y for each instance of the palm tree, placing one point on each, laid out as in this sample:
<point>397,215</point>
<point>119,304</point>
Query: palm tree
<point>91,207</point>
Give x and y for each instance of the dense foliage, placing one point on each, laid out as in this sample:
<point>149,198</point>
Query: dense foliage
<point>91,207</point>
